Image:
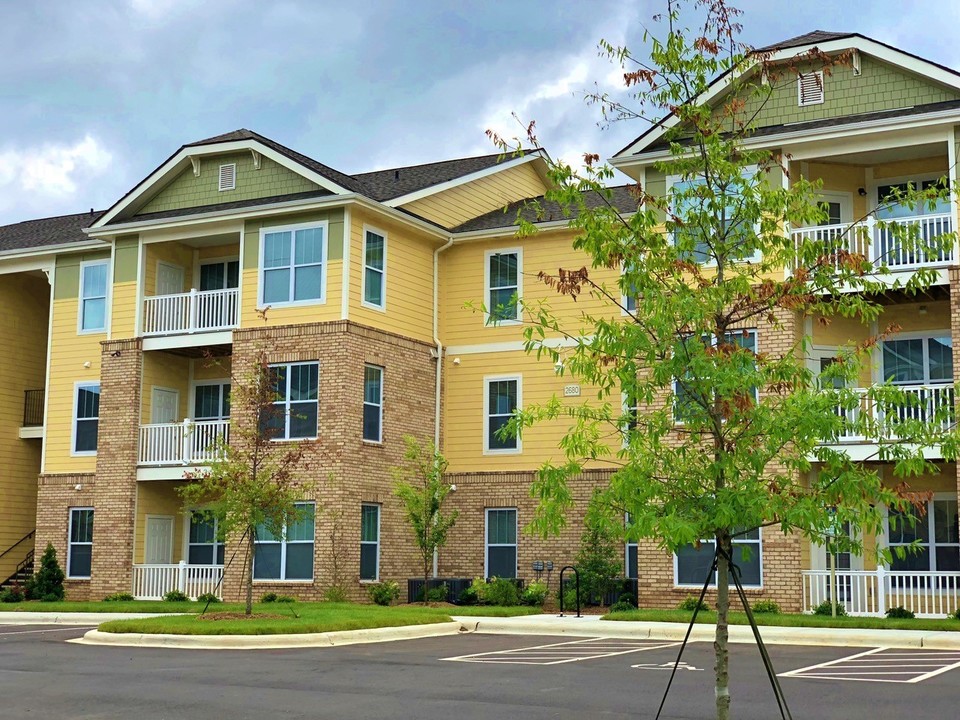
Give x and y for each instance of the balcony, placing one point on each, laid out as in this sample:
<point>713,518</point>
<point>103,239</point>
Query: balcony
<point>873,592</point>
<point>152,582</point>
<point>187,443</point>
<point>33,405</point>
<point>928,403</point>
<point>189,313</point>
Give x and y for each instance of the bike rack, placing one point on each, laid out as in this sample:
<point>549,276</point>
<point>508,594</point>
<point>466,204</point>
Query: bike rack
<point>575,572</point>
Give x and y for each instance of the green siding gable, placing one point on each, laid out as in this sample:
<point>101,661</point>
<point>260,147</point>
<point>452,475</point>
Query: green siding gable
<point>187,191</point>
<point>880,86</point>
<point>125,258</point>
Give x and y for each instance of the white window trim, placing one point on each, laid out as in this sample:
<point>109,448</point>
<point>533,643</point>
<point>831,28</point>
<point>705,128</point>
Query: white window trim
<point>185,552</point>
<point>823,93</point>
<point>487,379</point>
<point>884,536</point>
<point>283,551</point>
<point>376,577</point>
<point>383,273</point>
<point>70,544</point>
<point>873,202</point>
<point>286,403</point>
<point>218,261</point>
<point>264,231</point>
<point>713,343</point>
<point>73,423</point>
<point>487,321</point>
<point>233,185</point>
<point>758,543</point>
<point>486,539</point>
<point>379,405</point>
<point>81,299</point>
<point>192,410</point>
<point>625,299</point>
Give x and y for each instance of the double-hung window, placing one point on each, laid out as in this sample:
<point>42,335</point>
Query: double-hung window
<point>503,286</point>
<point>697,209</point>
<point>288,556</point>
<point>935,533</point>
<point>501,555</point>
<point>373,403</point>
<point>501,400</point>
<point>93,296</point>
<point>86,418</point>
<point>204,547</point>
<point>211,401</point>
<point>80,550</point>
<point>692,563</point>
<point>293,264</point>
<point>918,361</point>
<point>369,542</point>
<point>630,558</point>
<point>294,412</point>
<point>684,405</point>
<point>374,269</point>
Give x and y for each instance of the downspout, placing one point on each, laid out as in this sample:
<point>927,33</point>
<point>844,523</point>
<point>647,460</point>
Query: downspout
<point>439,351</point>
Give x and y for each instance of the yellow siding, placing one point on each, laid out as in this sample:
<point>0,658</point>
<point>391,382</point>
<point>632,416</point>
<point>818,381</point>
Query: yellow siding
<point>453,207</point>
<point>164,370</point>
<point>212,369</point>
<point>123,316</point>
<point>911,167</point>
<point>159,498</point>
<point>219,252</point>
<point>409,279</point>
<point>172,253</point>
<point>313,312</point>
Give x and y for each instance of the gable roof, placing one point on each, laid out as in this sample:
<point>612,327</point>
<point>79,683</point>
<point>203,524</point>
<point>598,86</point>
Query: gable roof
<point>811,38</point>
<point>44,232</point>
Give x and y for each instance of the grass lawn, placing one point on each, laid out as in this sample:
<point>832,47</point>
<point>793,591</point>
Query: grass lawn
<point>493,610</point>
<point>132,606</point>
<point>790,620</point>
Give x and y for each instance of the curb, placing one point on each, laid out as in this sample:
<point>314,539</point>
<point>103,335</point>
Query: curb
<point>270,642</point>
<point>68,618</point>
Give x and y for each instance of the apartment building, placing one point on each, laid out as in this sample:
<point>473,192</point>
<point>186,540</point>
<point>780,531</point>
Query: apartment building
<point>130,323</point>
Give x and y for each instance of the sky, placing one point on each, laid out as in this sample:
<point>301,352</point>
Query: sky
<point>95,94</point>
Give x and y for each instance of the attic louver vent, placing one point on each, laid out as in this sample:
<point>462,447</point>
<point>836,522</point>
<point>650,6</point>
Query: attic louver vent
<point>228,176</point>
<point>810,88</point>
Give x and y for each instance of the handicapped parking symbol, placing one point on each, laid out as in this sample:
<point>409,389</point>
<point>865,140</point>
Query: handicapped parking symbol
<point>667,666</point>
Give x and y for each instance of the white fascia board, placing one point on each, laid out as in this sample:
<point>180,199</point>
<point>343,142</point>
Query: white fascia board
<point>52,250</point>
<point>464,179</point>
<point>181,159</point>
<point>864,45</point>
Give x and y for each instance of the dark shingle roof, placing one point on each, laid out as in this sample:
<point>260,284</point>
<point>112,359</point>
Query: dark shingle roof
<point>810,38</point>
<point>61,230</point>
<point>395,182</point>
<point>538,210</point>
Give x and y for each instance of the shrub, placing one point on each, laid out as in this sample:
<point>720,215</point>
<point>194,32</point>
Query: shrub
<point>335,594</point>
<point>47,582</point>
<point>825,609</point>
<point>900,613</point>
<point>469,596</point>
<point>766,607</point>
<point>956,614</point>
<point>569,599</point>
<point>438,594</point>
<point>691,603</point>
<point>208,597</point>
<point>535,594</point>
<point>286,599</point>
<point>384,593</point>
<point>175,596</point>
<point>499,591</point>
<point>11,595</point>
<point>268,597</point>
<point>119,597</point>
<point>622,606</point>
<point>599,559</point>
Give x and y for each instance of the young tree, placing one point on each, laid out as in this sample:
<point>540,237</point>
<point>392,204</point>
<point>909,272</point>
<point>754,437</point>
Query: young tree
<point>253,481</point>
<point>598,561</point>
<point>718,439</point>
<point>422,488</point>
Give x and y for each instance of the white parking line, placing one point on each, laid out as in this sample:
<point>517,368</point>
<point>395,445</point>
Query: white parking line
<point>882,665</point>
<point>562,652</point>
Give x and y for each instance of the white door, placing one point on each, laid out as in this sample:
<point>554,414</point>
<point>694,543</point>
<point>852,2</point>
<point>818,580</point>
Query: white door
<point>159,540</point>
<point>169,279</point>
<point>164,405</point>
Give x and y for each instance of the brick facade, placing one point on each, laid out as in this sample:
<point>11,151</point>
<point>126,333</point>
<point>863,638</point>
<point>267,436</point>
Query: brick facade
<point>56,494</point>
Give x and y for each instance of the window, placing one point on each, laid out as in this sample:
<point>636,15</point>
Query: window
<point>501,400</point>
<point>630,559</point>
<point>810,88</point>
<point>501,556</point>
<point>935,532</point>
<point>374,269</point>
<point>86,418</point>
<point>628,298</point>
<point>289,556</point>
<point>693,564</point>
<point>890,196</point>
<point>684,406</point>
<point>221,275</point>
<point>697,208</point>
<point>294,415</point>
<point>211,401</point>
<point>228,177</point>
<point>204,546</point>
<point>369,542</point>
<point>293,264</point>
<point>503,286</point>
<point>93,296</point>
<point>373,403</point>
<point>918,361</point>
<point>80,550</point>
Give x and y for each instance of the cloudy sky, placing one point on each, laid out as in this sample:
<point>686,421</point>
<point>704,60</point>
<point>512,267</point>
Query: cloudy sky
<point>95,94</point>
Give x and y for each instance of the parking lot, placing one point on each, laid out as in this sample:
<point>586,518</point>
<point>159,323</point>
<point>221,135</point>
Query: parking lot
<point>469,677</point>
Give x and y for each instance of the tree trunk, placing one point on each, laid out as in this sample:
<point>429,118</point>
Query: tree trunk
<point>426,577</point>
<point>720,644</point>
<point>250,548</point>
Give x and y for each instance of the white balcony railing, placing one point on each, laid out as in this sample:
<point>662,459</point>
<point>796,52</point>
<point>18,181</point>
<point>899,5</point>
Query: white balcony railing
<point>190,312</point>
<point>873,592</point>
<point>878,243</point>
<point>191,442</point>
<point>152,582</point>
<point>927,403</point>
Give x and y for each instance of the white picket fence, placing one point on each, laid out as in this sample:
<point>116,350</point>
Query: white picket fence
<point>873,592</point>
<point>929,403</point>
<point>152,582</point>
<point>190,312</point>
<point>191,442</point>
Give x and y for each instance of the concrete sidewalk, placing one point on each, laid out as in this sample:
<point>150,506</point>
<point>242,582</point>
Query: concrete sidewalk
<point>71,618</point>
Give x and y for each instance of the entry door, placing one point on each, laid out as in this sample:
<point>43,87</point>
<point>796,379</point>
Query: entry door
<point>164,406</point>
<point>169,279</point>
<point>159,540</point>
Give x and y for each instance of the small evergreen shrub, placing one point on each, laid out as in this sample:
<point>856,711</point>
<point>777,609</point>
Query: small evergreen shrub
<point>766,607</point>
<point>622,606</point>
<point>384,593</point>
<point>691,603</point>
<point>47,583</point>
<point>438,594</point>
<point>499,591</point>
<point>569,599</point>
<point>826,610</point>
<point>286,599</point>
<point>208,598</point>
<point>119,597</point>
<point>900,613</point>
<point>11,595</point>
<point>535,594</point>
<point>175,596</point>
<point>469,596</point>
<point>268,597</point>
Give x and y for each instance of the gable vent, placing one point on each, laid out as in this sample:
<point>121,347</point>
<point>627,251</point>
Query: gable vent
<point>810,88</point>
<point>228,176</point>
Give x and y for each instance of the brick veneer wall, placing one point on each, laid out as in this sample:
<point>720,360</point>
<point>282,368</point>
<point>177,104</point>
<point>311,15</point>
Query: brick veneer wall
<point>56,494</point>
<point>954,274</point>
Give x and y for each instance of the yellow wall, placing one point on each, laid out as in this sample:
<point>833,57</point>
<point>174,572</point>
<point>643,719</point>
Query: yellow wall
<point>169,371</point>
<point>212,369</point>
<point>172,253</point>
<point>454,207</point>
<point>158,498</point>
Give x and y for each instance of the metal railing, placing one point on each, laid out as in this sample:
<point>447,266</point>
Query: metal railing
<point>190,312</point>
<point>189,442</point>
<point>33,401</point>
<point>929,403</point>
<point>152,582</point>
<point>873,592</point>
